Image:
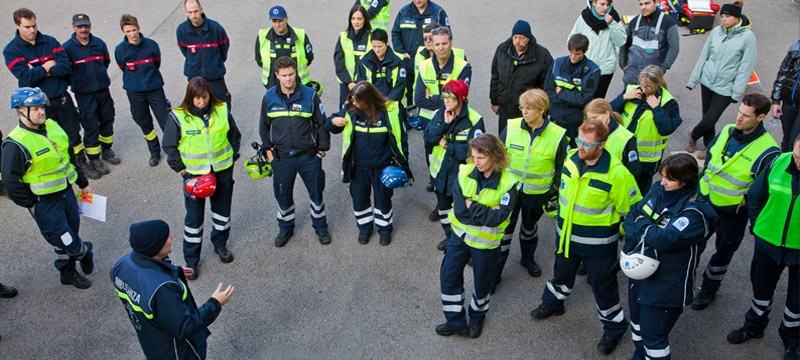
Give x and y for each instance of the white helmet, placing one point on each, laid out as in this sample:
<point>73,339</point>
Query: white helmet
<point>637,265</point>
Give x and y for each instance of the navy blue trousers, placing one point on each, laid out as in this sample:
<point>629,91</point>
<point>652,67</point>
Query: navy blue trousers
<point>764,276</point>
<point>451,279</point>
<point>59,223</point>
<point>96,114</point>
<point>141,105</point>
<point>444,204</point>
<point>284,172</point>
<point>220,216</point>
<point>362,183</point>
<point>650,327</point>
<point>730,233</point>
<point>602,272</point>
<point>531,208</point>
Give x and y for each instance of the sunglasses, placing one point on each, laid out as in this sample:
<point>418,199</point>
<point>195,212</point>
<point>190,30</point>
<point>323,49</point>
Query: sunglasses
<point>586,145</point>
<point>448,97</point>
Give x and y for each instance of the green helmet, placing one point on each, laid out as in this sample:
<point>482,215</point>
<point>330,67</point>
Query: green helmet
<point>258,168</point>
<point>551,207</point>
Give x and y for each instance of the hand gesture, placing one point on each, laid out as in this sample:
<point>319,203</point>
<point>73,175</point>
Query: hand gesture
<point>653,101</point>
<point>633,94</point>
<point>339,121</point>
<point>223,296</point>
<point>449,116</point>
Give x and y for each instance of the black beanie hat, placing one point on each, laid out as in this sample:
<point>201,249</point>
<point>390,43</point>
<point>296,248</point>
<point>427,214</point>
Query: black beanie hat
<point>732,10</point>
<point>148,237</point>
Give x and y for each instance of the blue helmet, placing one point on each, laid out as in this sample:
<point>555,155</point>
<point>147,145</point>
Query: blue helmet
<point>416,123</point>
<point>394,177</point>
<point>25,97</point>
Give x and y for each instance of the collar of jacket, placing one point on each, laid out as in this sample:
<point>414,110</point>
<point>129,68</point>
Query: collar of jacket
<point>151,263</point>
<point>294,95</point>
<point>743,138</point>
<point>524,125</point>
<point>389,60</point>
<point>41,130</point>
<point>91,39</point>
<point>39,38</point>
<point>356,35</point>
<point>652,17</point>
<point>290,31</point>
<point>413,11</point>
<point>447,65</point>
<point>125,40</point>
<point>744,23</point>
<point>203,27</point>
<point>601,166</point>
<point>529,54</point>
<point>657,191</point>
<point>492,182</point>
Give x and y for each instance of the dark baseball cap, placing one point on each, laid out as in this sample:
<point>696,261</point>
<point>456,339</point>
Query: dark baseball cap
<point>277,12</point>
<point>80,19</point>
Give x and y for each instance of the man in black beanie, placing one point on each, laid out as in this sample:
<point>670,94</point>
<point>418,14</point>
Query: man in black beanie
<point>519,64</point>
<point>160,306</point>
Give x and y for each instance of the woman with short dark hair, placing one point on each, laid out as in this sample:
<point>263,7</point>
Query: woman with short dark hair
<point>673,229</point>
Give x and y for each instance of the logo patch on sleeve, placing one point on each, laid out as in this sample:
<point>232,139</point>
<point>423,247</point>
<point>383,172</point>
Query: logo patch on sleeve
<point>308,48</point>
<point>375,4</point>
<point>478,132</point>
<point>402,72</point>
<point>681,223</point>
<point>633,156</point>
<point>634,192</point>
<point>505,199</point>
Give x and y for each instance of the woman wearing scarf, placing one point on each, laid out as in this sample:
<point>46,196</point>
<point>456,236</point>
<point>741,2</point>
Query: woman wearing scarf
<point>599,22</point>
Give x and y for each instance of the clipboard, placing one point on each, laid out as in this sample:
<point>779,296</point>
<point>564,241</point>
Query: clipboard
<point>92,206</point>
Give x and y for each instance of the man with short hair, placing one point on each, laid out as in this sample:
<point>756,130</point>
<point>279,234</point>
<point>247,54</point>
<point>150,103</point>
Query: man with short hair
<point>570,85</point>
<point>39,60</point>
<point>775,217</point>
<point>736,157</point>
<point>596,193</point>
<point>282,40</point>
<point>653,39</point>
<point>294,140</point>
<point>204,45</point>
<point>38,170</point>
<point>519,64</point>
<point>157,298</point>
<point>88,56</point>
<point>407,33</point>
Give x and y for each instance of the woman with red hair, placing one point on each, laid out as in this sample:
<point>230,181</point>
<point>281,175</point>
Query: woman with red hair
<point>448,133</point>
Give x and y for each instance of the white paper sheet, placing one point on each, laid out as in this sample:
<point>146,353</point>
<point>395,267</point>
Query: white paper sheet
<point>700,5</point>
<point>93,207</point>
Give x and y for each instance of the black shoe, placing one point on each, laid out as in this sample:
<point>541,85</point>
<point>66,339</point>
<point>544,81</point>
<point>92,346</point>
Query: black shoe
<point>99,166</point>
<point>582,269</point>
<point>155,159</point>
<point>224,254</point>
<point>109,156</point>
<point>533,268</point>
<point>3,190</point>
<point>442,246</point>
<point>88,170</point>
<point>363,238</point>
<point>87,263</point>
<point>495,285</point>
<point>741,335</point>
<point>475,329</point>
<point>791,354</point>
<point>433,215</point>
<point>282,238</point>
<point>70,276</point>
<point>542,312</point>
<point>195,273</point>
<point>324,237</point>
<point>607,344</point>
<point>386,239</point>
<point>443,330</point>
<point>7,291</point>
<point>429,188</point>
<point>703,300</point>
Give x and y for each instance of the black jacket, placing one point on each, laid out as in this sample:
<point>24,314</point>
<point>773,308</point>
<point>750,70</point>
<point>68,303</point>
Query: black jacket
<point>390,64</point>
<point>787,84</point>
<point>286,134</point>
<point>457,148</point>
<point>14,164</point>
<point>511,77</point>
<point>89,64</point>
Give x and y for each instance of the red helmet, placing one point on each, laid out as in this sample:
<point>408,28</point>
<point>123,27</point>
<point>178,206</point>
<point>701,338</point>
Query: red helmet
<point>201,186</point>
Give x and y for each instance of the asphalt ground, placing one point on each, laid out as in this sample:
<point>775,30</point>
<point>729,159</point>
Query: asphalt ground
<point>343,300</point>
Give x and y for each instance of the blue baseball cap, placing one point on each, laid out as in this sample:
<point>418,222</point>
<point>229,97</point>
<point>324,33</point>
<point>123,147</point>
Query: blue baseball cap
<point>277,12</point>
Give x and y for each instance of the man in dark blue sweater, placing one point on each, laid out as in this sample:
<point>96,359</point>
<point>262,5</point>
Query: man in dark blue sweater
<point>89,59</point>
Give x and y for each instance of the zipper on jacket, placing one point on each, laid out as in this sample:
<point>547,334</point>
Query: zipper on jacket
<point>788,219</point>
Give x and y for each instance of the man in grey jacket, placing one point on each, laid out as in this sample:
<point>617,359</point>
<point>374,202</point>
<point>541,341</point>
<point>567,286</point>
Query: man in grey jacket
<point>652,39</point>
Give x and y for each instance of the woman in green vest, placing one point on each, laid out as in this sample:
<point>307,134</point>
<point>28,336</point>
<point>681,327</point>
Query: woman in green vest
<point>373,137</point>
<point>621,142</point>
<point>483,199</point>
<point>351,45</point>
<point>202,138</point>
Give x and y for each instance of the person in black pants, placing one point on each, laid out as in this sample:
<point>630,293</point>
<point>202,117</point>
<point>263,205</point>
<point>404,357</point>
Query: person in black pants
<point>139,58</point>
<point>786,96</point>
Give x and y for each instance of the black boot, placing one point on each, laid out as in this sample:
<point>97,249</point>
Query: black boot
<point>70,276</point>
<point>88,170</point>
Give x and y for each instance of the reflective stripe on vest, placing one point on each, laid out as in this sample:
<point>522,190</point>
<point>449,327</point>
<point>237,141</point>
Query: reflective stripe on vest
<point>726,183</point>
<point>268,54</point>
<point>532,162</point>
<point>434,82</point>
<point>394,122</point>
<point>381,19</point>
<point>649,142</point>
<point>476,236</point>
<point>380,74</point>
<point>437,154</point>
<point>48,155</point>
<point>202,148</point>
<point>587,205</point>
<point>779,221</point>
<point>419,58</point>
<point>350,53</point>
